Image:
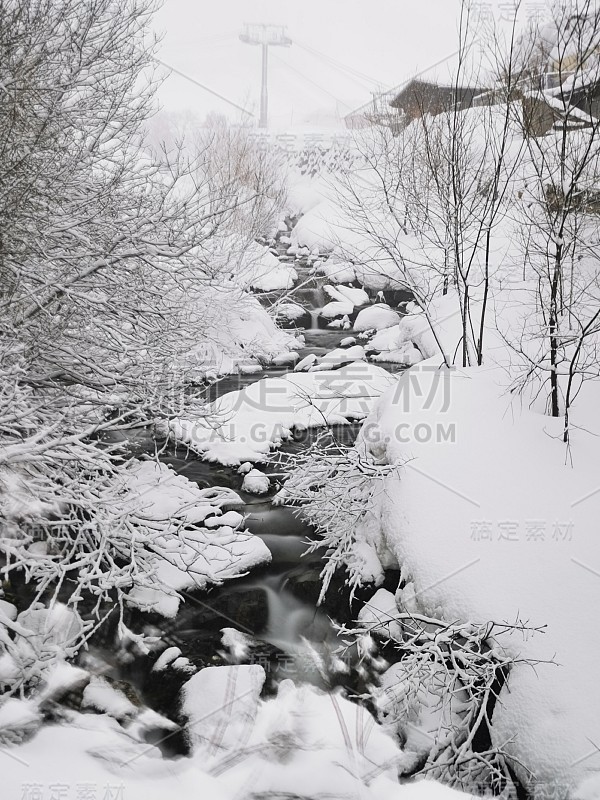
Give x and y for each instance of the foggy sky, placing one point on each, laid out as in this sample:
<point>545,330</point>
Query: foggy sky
<point>388,40</point>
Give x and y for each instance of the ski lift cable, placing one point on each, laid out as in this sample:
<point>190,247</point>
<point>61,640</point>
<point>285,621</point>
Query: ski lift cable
<point>309,80</point>
<point>203,86</point>
<point>338,64</point>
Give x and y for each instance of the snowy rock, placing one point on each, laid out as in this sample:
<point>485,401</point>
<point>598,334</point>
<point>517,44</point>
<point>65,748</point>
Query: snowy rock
<point>232,518</point>
<point>236,643</point>
<point>337,308</point>
<point>340,356</point>
<point>389,339</point>
<point>101,696</point>
<point>250,369</point>
<point>408,355</point>
<point>337,271</point>
<point>305,363</point>
<point>262,415</point>
<point>183,664</point>
<point>343,323</point>
<point>260,269</point>
<point>245,468</point>
<point>156,493</point>
<point>348,294</point>
<point>8,610</point>
<point>283,359</point>
<point>166,658</point>
<point>256,482</point>
<point>348,341</point>
<point>290,311</point>
<point>19,720</point>
<point>379,615</point>
<point>223,702</point>
<point>376,317</point>
<point>63,678</point>
<point>149,726</point>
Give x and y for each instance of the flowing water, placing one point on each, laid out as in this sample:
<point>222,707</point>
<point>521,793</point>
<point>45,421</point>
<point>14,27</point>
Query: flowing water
<point>275,607</point>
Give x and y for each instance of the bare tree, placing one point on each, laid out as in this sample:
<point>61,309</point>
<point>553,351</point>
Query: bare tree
<point>557,219</point>
<point>107,282</point>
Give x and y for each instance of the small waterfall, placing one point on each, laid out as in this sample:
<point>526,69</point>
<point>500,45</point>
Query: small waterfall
<point>314,318</point>
<point>290,619</point>
<point>311,297</point>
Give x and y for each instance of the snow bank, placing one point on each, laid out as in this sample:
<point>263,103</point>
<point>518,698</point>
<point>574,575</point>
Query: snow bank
<point>95,751</point>
<point>355,254</point>
<point>221,704</point>
<point>237,333</point>
<point>302,743</point>
<point>245,425</point>
<point>490,522</point>
<point>186,553</point>
<point>337,269</point>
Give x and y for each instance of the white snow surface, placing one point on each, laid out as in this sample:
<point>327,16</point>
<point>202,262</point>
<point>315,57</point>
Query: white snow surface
<point>377,317</point>
<point>259,269</point>
<point>337,270</point>
<point>101,696</point>
<point>494,522</point>
<point>256,482</point>
<point>245,425</point>
<point>358,297</point>
<point>192,557</point>
<point>302,742</point>
<point>338,356</point>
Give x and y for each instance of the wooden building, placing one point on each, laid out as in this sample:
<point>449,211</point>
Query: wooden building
<point>419,97</point>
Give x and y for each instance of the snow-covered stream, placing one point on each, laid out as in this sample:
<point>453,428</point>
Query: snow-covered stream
<point>275,605</point>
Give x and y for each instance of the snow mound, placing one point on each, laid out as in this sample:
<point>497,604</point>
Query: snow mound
<point>337,270</point>
<point>358,297</point>
<point>103,697</point>
<point>221,705</point>
<point>337,308</point>
<point>245,425</point>
<point>477,553</point>
<point>259,269</point>
<point>340,356</point>
<point>185,553</point>
<point>376,317</point>
<point>256,482</point>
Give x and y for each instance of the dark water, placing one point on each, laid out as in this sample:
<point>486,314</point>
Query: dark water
<point>275,606</point>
